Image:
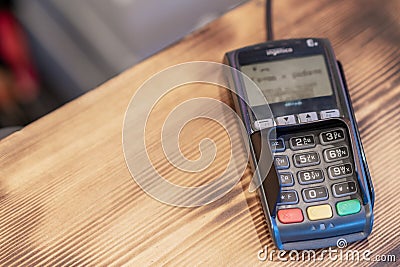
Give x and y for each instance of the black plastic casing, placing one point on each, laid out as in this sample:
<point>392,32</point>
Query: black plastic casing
<point>299,236</point>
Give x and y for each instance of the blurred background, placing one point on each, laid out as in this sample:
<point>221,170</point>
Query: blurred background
<point>52,51</point>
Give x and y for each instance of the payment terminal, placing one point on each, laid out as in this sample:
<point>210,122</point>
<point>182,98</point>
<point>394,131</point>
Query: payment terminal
<point>319,190</point>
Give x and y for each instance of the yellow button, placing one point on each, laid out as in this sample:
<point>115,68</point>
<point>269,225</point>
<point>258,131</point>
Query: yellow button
<point>319,212</point>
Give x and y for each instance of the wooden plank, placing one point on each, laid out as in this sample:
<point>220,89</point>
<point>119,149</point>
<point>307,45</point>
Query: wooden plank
<point>67,198</point>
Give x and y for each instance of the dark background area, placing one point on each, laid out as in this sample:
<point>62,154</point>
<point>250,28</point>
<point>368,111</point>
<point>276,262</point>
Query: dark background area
<point>53,51</point>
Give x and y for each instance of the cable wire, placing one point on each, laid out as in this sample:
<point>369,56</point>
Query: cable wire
<point>268,20</point>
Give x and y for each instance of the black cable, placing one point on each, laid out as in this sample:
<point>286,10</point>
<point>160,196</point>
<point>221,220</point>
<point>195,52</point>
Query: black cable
<point>268,20</point>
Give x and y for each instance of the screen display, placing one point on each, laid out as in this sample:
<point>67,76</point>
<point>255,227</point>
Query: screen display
<point>289,79</point>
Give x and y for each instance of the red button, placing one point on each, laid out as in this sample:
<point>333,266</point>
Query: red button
<point>290,216</point>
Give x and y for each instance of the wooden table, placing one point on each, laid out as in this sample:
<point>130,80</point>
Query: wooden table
<point>67,197</point>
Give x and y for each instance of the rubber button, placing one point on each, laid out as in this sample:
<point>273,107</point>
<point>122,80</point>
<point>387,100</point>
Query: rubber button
<point>281,162</point>
<point>290,215</point>
<point>348,207</point>
<point>319,212</point>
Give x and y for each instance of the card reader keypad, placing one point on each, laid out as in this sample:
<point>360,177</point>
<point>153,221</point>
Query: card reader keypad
<point>316,171</point>
<point>295,119</point>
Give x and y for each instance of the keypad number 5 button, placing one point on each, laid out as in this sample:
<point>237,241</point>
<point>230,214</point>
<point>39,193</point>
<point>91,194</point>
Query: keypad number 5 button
<point>306,159</point>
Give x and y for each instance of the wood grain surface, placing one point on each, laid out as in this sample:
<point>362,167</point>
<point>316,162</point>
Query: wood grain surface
<point>67,197</point>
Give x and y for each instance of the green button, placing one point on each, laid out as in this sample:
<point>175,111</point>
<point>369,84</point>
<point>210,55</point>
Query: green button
<point>348,207</point>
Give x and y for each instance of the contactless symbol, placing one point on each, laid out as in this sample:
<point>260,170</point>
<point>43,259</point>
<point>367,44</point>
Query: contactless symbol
<point>311,43</point>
